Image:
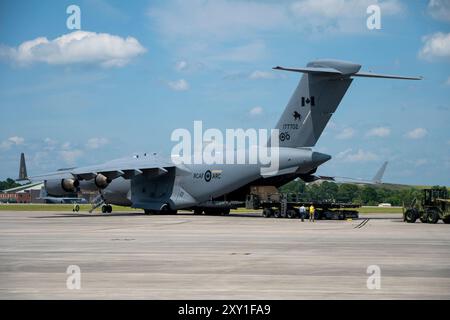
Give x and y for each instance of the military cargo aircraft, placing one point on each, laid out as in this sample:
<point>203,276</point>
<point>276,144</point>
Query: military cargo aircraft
<point>376,180</point>
<point>158,185</point>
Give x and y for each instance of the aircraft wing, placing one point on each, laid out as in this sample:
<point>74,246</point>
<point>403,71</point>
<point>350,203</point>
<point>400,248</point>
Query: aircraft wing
<point>22,187</point>
<point>125,167</point>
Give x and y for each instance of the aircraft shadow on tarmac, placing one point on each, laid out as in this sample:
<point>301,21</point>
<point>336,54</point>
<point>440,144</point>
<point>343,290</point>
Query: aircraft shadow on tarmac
<point>88,215</point>
<point>130,214</point>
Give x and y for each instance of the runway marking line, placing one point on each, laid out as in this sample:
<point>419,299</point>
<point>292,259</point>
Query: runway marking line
<point>362,224</point>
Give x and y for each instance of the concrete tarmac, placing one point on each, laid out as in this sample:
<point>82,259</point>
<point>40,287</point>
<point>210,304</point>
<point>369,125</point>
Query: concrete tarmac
<point>241,256</point>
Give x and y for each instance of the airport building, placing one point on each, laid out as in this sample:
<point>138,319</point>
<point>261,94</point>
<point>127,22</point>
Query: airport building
<point>20,194</point>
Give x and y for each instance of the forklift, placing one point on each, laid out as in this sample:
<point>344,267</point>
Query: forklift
<point>434,205</point>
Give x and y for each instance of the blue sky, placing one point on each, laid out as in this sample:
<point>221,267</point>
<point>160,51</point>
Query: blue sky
<point>146,68</point>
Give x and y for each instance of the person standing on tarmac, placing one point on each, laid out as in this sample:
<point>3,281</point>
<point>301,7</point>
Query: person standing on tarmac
<point>302,211</point>
<point>312,210</point>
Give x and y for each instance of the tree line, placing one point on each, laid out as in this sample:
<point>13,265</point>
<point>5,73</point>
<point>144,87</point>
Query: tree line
<point>329,191</point>
<point>8,184</point>
<point>370,195</point>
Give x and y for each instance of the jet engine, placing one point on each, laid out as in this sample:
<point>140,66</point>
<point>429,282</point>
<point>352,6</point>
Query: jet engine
<point>101,181</point>
<point>61,187</point>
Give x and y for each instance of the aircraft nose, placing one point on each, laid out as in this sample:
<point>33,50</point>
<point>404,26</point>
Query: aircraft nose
<point>319,158</point>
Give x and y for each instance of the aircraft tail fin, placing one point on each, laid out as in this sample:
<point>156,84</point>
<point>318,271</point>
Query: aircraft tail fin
<point>23,176</point>
<point>317,96</point>
<point>379,175</point>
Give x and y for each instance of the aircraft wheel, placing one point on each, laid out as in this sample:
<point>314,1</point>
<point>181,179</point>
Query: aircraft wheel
<point>226,212</point>
<point>446,220</point>
<point>76,208</point>
<point>267,213</point>
<point>198,211</point>
<point>211,212</point>
<point>433,216</point>
<point>104,209</point>
<point>166,210</point>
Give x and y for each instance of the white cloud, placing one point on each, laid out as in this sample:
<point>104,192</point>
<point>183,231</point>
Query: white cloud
<point>95,143</point>
<point>66,145</point>
<point>230,19</point>
<point>381,132</point>
<point>436,47</point>
<point>417,133</point>
<point>208,28</point>
<point>252,51</point>
<point>346,16</point>
<point>346,133</point>
<point>343,8</point>
<point>256,111</point>
<point>181,65</point>
<point>420,162</point>
<point>50,141</point>
<point>5,145</point>
<point>178,85</point>
<point>49,144</point>
<point>16,140</point>
<point>359,156</point>
<point>76,47</point>
<point>11,141</point>
<point>70,156</point>
<point>439,9</point>
<point>218,19</point>
<point>256,75</point>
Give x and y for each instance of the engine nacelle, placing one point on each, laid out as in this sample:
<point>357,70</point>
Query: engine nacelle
<point>61,187</point>
<point>101,181</point>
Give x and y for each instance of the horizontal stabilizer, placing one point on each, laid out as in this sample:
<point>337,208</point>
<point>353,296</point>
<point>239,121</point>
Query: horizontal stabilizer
<point>332,71</point>
<point>384,76</point>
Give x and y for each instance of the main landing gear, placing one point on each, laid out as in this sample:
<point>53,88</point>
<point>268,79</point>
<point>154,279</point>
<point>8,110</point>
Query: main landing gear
<point>165,210</point>
<point>106,208</point>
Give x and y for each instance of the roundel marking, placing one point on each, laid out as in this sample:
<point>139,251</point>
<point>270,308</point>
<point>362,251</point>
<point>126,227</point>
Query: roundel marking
<point>208,176</point>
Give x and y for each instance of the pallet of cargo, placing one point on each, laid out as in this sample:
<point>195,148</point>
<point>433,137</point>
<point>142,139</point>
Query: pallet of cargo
<point>279,205</point>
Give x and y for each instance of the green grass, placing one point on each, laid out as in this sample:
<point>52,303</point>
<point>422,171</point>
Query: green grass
<point>379,210</point>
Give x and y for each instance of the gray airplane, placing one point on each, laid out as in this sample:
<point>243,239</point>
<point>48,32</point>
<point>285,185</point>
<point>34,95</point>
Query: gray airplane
<point>23,178</point>
<point>376,180</point>
<point>158,185</point>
